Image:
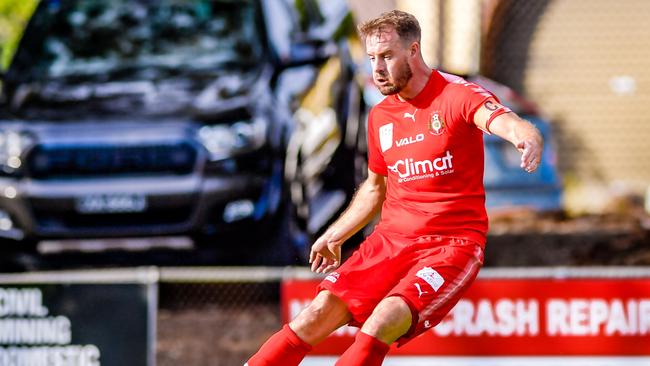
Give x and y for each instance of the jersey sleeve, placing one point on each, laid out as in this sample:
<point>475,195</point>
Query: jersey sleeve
<point>376,161</point>
<point>468,98</point>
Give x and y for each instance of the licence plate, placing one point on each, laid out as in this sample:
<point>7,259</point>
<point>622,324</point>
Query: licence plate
<point>111,203</point>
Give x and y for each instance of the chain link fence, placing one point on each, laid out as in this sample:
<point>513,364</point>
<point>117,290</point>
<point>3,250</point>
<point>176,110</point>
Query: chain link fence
<point>585,63</point>
<point>215,317</point>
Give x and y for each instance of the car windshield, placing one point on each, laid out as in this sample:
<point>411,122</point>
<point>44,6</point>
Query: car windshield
<point>101,37</point>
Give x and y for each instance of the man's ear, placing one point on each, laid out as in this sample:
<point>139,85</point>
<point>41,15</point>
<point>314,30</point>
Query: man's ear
<point>415,47</point>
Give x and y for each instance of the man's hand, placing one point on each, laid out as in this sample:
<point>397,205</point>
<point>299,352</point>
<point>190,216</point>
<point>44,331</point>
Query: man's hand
<point>325,254</point>
<point>531,153</point>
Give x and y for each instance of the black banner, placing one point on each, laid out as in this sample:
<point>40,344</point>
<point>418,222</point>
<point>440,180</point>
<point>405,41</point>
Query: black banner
<point>78,324</point>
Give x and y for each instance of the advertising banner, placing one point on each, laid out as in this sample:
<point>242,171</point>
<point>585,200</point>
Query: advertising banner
<point>521,317</point>
<point>76,323</point>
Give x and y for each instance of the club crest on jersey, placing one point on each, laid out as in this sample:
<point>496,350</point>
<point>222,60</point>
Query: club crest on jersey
<point>386,137</point>
<point>436,124</point>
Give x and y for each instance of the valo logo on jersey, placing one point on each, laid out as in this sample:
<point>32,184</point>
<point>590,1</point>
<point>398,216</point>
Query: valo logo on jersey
<point>410,140</point>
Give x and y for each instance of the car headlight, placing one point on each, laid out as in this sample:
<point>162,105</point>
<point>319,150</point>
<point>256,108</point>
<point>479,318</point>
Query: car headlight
<point>227,140</point>
<point>12,146</point>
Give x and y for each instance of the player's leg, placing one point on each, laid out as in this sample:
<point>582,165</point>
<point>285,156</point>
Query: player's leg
<point>390,320</point>
<point>348,295</point>
<point>289,346</point>
<point>437,282</point>
<point>441,271</point>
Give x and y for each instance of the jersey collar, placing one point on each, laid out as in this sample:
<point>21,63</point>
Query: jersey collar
<point>430,90</point>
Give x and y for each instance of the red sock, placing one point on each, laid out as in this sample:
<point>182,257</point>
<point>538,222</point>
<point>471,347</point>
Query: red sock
<point>284,348</point>
<point>365,351</point>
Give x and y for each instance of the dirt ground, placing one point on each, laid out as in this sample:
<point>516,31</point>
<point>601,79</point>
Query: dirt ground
<point>214,337</point>
<point>528,239</point>
<point>211,331</point>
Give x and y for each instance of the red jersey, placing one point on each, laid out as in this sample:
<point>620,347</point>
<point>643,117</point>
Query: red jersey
<point>432,154</point>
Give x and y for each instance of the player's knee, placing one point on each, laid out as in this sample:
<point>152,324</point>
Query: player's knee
<point>308,317</point>
<point>315,311</point>
<point>390,320</point>
<point>322,316</point>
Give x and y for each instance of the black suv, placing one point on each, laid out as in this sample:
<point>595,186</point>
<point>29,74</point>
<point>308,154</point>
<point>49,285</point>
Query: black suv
<point>191,118</point>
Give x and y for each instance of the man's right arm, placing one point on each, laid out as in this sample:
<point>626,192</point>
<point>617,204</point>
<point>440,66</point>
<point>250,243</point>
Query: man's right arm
<point>325,254</point>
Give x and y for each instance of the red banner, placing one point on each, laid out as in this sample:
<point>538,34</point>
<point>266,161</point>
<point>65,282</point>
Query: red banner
<point>521,317</point>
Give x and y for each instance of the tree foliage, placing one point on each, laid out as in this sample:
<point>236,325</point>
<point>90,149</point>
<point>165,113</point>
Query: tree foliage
<point>14,15</point>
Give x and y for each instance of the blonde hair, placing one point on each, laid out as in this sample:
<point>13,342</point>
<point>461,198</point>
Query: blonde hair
<point>405,24</point>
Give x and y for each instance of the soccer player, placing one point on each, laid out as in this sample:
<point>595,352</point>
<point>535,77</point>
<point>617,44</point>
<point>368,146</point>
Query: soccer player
<point>425,173</point>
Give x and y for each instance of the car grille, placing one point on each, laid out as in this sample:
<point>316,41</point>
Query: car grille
<point>54,161</point>
<point>59,216</point>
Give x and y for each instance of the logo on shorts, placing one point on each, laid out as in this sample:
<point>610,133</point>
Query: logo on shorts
<point>332,277</point>
<point>427,324</point>
<point>436,124</point>
<point>432,277</point>
<point>420,292</point>
<point>386,137</point>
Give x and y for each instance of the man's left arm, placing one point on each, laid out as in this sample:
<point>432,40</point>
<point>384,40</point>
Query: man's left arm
<point>499,120</point>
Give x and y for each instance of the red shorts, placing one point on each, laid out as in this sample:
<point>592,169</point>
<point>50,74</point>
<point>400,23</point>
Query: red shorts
<point>430,273</point>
